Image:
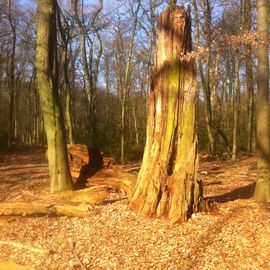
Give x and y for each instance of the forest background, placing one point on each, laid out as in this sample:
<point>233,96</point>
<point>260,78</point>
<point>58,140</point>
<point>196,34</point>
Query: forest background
<point>104,85</point>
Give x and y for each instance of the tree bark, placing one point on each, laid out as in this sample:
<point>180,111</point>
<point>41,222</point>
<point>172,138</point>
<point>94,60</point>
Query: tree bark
<point>46,65</point>
<point>262,190</point>
<point>236,109</point>
<point>167,184</point>
<point>90,75</point>
<point>11,75</point>
<point>205,79</point>
<point>126,84</point>
<point>249,76</point>
<point>65,38</point>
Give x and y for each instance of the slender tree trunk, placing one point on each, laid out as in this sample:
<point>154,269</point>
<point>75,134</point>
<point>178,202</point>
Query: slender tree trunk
<point>11,75</point>
<point>206,79</point>
<point>87,69</point>
<point>30,129</point>
<point>250,89</point>
<point>37,117</point>
<point>262,191</point>
<point>46,65</point>
<point>90,75</point>
<point>249,76</point>
<point>126,83</point>
<point>236,104</point>
<point>228,93</point>
<point>135,121</point>
<point>215,84</point>
<point>108,99</point>
<point>95,82</point>
<point>65,62</point>
<point>167,183</point>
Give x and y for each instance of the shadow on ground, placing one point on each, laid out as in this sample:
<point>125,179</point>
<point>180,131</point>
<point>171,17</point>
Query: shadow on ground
<point>245,192</point>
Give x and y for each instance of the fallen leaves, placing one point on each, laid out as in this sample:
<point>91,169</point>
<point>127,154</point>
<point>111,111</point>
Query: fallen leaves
<point>113,237</point>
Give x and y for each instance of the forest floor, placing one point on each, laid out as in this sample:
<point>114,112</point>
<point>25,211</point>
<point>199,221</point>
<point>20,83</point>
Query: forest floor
<point>234,236</point>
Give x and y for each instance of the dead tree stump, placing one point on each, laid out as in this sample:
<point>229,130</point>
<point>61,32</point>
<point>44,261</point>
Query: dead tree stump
<point>167,183</point>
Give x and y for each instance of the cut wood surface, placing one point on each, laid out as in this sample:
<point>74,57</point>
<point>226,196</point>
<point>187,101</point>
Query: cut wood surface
<point>84,162</point>
<point>79,151</point>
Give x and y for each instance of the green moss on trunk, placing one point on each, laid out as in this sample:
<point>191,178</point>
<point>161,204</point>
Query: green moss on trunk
<point>167,183</point>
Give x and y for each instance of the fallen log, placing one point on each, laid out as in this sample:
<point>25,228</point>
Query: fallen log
<point>92,195</point>
<point>19,208</point>
<point>113,178</point>
<point>68,203</point>
<point>132,169</point>
<point>41,209</point>
<point>79,152</point>
<point>112,182</point>
<point>85,162</point>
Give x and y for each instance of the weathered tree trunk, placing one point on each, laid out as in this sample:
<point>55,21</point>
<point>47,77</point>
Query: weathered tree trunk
<point>46,65</point>
<point>236,104</point>
<point>167,184</point>
<point>262,191</point>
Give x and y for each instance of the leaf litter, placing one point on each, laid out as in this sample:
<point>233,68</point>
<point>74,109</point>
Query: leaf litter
<point>235,236</point>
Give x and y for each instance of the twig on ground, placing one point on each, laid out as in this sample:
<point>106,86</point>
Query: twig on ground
<point>77,256</point>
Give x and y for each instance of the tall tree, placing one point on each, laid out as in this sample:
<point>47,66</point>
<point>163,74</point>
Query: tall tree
<point>89,63</point>
<point>249,74</point>
<point>11,71</point>
<point>167,183</point>
<point>236,104</point>
<point>126,81</point>
<point>46,66</point>
<point>65,34</point>
<point>262,191</point>
<point>205,77</point>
